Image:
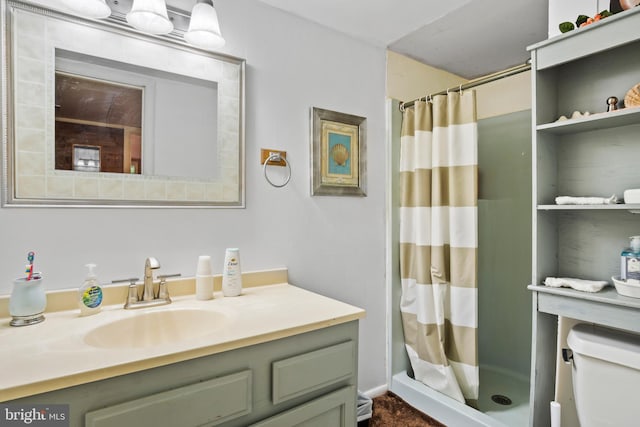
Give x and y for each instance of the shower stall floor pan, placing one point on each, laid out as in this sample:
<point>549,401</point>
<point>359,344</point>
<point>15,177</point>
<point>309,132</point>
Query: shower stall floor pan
<point>453,413</point>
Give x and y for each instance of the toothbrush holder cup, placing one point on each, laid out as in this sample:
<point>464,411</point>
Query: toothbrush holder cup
<point>27,302</point>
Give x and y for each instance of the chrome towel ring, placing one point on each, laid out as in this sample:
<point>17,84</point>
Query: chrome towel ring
<point>276,157</point>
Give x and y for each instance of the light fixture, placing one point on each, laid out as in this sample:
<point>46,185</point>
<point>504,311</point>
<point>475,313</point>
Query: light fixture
<point>200,29</point>
<point>204,29</point>
<point>97,9</point>
<point>150,16</point>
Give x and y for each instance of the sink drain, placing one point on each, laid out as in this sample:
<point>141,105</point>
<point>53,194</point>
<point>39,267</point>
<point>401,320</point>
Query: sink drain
<point>501,400</point>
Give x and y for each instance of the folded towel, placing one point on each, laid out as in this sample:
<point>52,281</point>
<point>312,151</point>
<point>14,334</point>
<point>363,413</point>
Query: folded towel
<point>577,284</point>
<point>570,200</point>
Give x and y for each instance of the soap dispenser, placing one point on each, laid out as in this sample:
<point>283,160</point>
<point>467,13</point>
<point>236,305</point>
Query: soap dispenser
<point>90,294</point>
<point>630,262</point>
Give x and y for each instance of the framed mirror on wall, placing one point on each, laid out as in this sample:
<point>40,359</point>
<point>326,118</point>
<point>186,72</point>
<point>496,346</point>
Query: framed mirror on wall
<point>100,115</point>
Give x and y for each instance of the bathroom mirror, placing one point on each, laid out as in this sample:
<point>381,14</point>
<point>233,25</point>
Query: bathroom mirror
<point>100,115</point>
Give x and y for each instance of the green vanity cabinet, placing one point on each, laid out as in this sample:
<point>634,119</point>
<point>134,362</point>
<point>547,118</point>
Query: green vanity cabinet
<point>308,379</point>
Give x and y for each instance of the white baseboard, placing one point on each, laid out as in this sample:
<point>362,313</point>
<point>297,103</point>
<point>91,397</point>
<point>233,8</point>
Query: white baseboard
<point>376,391</point>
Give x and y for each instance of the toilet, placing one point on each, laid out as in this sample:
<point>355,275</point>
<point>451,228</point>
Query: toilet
<point>606,376</point>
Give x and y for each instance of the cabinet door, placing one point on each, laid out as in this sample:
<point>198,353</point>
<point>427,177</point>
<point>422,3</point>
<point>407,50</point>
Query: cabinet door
<point>210,402</point>
<point>296,376</point>
<point>337,409</point>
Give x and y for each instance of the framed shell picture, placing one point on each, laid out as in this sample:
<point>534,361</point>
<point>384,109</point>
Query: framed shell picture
<point>338,153</point>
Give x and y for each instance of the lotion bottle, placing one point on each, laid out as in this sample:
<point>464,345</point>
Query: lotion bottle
<point>90,294</point>
<point>231,275</point>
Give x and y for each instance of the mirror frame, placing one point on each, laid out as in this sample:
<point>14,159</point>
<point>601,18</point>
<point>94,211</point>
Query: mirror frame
<point>28,167</point>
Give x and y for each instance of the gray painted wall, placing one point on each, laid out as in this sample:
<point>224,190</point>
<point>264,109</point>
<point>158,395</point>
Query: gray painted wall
<point>331,245</point>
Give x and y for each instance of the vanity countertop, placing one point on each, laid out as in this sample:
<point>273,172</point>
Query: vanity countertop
<point>54,354</point>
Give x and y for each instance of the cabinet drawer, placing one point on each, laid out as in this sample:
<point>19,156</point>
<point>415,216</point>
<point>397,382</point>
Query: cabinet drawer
<point>209,402</point>
<point>337,409</point>
<point>311,371</point>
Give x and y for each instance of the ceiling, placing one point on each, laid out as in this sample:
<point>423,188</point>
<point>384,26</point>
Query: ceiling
<point>469,38</point>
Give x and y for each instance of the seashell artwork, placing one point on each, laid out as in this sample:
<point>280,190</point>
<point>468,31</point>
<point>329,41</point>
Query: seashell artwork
<point>632,98</point>
<point>340,154</point>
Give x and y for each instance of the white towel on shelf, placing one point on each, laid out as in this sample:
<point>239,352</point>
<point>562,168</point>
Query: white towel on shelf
<point>570,200</point>
<point>577,284</point>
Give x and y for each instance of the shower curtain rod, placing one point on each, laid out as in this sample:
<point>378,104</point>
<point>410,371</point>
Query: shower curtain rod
<point>475,82</point>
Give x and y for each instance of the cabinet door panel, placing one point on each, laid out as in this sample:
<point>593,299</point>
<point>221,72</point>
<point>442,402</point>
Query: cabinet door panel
<point>337,409</point>
<point>209,402</point>
<point>311,371</point>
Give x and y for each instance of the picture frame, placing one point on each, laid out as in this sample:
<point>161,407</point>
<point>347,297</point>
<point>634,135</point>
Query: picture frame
<point>338,153</point>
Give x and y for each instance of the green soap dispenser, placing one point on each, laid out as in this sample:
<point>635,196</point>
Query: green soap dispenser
<point>90,294</point>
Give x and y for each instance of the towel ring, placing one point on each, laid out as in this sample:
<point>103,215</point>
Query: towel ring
<point>276,157</point>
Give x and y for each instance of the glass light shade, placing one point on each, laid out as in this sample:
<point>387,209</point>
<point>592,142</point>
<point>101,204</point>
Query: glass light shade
<point>97,9</point>
<point>150,16</point>
<point>204,29</point>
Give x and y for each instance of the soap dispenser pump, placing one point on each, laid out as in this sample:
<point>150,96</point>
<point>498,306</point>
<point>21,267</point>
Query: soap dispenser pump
<point>90,294</point>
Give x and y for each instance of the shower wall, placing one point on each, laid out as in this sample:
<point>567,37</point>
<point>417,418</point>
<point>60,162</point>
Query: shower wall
<point>504,242</point>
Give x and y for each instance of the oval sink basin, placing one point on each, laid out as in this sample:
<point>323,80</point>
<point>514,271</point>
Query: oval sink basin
<point>155,328</point>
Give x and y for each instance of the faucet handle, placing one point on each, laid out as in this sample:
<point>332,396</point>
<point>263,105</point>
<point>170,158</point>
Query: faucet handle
<point>132,294</point>
<point>163,293</point>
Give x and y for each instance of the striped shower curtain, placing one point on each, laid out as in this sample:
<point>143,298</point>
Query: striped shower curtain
<point>438,242</point>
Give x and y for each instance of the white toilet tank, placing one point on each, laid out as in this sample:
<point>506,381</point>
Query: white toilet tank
<point>606,376</point>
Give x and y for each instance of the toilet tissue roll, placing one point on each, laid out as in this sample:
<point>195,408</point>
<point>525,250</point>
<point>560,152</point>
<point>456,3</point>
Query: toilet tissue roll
<point>555,414</point>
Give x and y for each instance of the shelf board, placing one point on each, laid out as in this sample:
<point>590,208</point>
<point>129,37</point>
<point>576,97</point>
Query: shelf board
<point>606,307</point>
<point>616,207</point>
<point>623,117</point>
<point>607,295</point>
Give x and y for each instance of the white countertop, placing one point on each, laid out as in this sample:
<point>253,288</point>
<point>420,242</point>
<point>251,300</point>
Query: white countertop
<point>53,354</point>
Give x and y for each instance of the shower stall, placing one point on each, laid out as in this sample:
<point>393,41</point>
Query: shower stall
<point>504,271</point>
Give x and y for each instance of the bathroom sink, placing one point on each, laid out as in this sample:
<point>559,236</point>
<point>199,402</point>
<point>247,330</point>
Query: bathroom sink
<point>155,328</point>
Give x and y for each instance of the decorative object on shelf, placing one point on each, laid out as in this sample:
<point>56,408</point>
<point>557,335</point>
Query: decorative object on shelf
<point>616,6</point>
<point>632,197</point>
<point>577,284</point>
<point>575,115</point>
<point>338,153</point>
<point>625,288</point>
<point>612,103</point>
<point>579,115</point>
<point>632,98</point>
<point>570,200</point>
<point>583,21</point>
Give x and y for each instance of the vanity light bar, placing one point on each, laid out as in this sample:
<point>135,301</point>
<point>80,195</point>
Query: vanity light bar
<point>179,18</point>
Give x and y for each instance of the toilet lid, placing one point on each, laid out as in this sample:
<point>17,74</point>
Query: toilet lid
<point>612,345</point>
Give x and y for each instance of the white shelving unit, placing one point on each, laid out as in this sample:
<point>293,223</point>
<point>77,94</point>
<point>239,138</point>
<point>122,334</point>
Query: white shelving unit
<point>596,155</point>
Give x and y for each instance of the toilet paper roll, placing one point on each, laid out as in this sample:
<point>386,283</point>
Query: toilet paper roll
<point>556,411</point>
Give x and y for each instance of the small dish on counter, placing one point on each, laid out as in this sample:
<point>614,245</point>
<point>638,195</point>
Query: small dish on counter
<point>625,288</point>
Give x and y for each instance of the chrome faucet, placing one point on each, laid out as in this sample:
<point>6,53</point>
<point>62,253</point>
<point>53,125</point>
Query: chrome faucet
<point>149,297</point>
<point>149,265</point>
